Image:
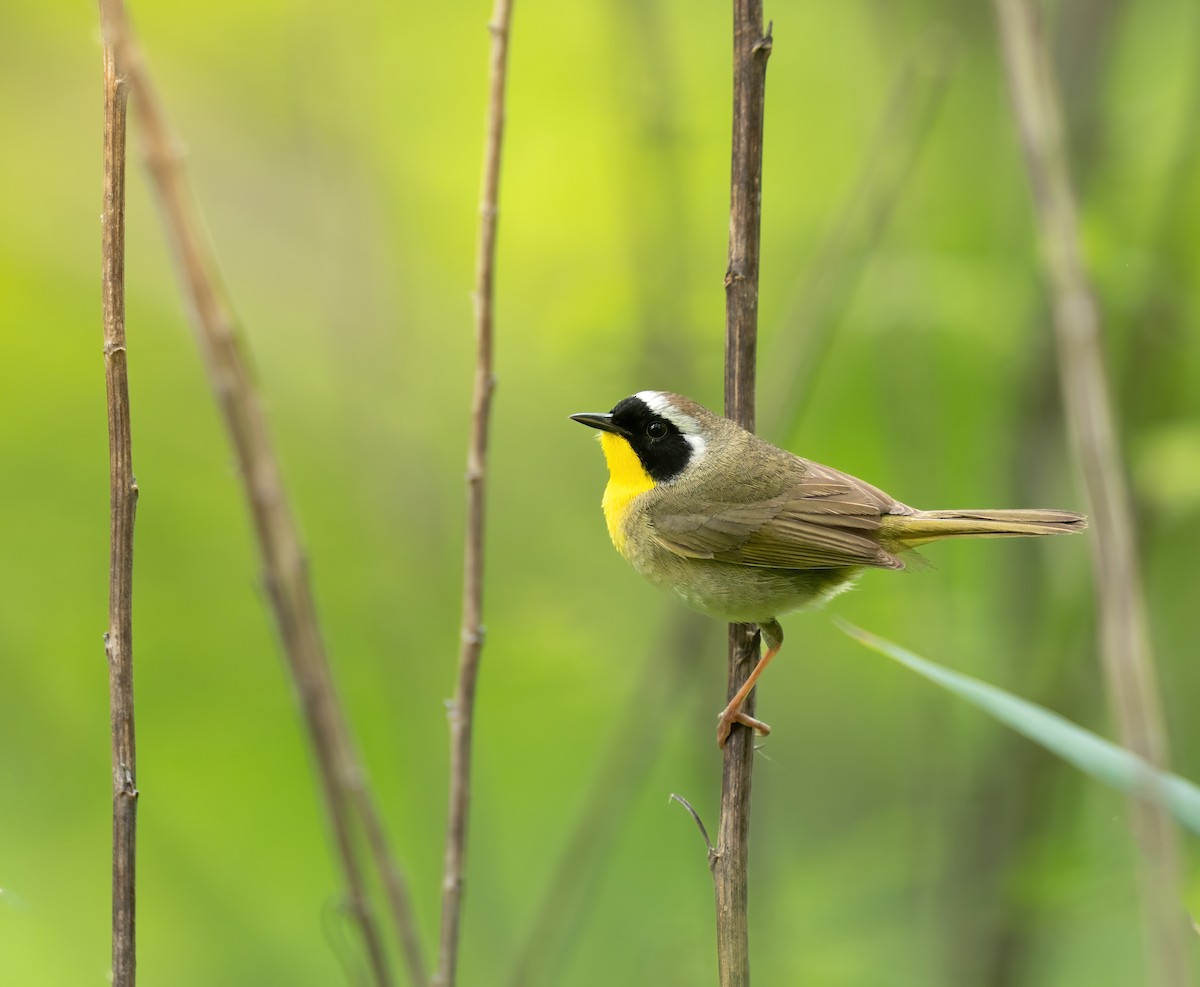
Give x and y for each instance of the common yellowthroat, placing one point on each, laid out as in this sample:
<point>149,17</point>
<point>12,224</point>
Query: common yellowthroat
<point>742,530</point>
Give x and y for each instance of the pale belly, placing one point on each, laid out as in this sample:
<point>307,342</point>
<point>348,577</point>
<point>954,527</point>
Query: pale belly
<point>750,594</point>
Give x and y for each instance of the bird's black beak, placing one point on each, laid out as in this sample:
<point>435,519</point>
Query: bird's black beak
<point>603,422</point>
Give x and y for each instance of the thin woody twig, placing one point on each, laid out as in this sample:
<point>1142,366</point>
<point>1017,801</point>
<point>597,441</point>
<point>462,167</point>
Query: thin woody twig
<point>712,850</point>
<point>340,774</point>
<point>123,494</point>
<point>462,710</point>
<point>1124,638</point>
<point>751,49</point>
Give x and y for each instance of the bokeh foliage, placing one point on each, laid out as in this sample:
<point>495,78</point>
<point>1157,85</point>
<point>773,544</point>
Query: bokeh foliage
<point>898,838</point>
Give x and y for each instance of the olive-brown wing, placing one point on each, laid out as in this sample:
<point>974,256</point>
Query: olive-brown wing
<point>820,522</point>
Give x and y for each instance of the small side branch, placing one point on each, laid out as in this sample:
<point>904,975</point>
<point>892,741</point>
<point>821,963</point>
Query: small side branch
<point>712,850</point>
<point>123,494</point>
<point>751,49</point>
<point>620,772</point>
<point>1124,639</point>
<point>462,710</point>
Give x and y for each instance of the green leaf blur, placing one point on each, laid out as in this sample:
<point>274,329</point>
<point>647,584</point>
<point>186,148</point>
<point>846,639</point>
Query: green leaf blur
<point>335,151</point>
<point>1091,754</point>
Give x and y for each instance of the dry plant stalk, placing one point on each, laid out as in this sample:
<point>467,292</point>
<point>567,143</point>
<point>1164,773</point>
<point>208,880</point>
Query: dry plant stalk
<point>462,710</point>
<point>123,496</point>
<point>341,776</point>
<point>1124,640</point>
<point>751,49</point>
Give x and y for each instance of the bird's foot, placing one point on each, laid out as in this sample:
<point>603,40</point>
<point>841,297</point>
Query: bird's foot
<point>731,715</point>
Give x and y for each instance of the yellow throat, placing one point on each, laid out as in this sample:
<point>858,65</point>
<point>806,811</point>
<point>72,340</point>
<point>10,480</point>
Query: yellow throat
<point>627,479</point>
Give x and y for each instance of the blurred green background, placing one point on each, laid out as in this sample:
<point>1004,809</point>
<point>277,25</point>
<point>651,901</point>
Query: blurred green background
<point>898,837</point>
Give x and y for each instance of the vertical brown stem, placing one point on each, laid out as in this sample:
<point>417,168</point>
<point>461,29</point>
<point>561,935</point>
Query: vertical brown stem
<point>462,711</point>
<point>751,49</point>
<point>1124,638</point>
<point>285,567</point>
<point>123,494</point>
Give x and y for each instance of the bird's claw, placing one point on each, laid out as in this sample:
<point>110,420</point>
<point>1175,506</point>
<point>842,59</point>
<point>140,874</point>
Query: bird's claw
<point>729,717</point>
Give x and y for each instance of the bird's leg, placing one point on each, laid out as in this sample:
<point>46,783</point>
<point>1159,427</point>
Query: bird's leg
<point>731,714</point>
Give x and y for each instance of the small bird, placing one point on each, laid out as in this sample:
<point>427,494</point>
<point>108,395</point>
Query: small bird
<point>745,531</point>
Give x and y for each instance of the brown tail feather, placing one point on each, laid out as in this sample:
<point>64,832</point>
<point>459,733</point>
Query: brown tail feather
<point>911,530</point>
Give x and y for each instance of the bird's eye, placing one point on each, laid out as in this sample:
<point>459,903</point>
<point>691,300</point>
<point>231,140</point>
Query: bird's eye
<point>656,429</point>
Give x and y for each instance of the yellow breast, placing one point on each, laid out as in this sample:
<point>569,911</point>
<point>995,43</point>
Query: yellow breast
<point>627,479</point>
